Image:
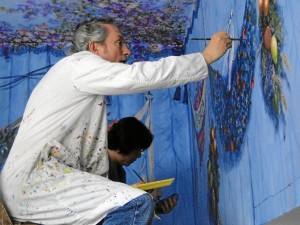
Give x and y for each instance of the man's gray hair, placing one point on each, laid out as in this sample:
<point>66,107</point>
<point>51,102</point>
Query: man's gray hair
<point>87,31</point>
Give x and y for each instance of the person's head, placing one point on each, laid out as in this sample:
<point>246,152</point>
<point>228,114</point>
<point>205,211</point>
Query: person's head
<point>102,37</point>
<point>127,139</point>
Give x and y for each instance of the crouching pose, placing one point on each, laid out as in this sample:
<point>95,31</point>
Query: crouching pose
<point>56,172</point>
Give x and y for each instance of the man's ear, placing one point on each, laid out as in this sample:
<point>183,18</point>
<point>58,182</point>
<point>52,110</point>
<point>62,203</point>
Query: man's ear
<point>93,47</point>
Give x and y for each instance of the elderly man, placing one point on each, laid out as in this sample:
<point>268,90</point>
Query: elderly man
<point>56,172</point>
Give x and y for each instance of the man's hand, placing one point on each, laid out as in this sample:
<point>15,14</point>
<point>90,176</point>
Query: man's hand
<point>217,47</point>
<point>165,206</point>
<point>156,193</point>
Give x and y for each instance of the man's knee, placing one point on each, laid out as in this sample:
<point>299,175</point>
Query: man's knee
<point>145,202</point>
<point>139,210</point>
<point>145,208</point>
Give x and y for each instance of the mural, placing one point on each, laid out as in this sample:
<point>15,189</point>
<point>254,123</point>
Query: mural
<point>272,58</point>
<point>231,92</point>
<point>150,27</point>
<point>231,89</point>
<point>198,109</point>
<point>213,178</point>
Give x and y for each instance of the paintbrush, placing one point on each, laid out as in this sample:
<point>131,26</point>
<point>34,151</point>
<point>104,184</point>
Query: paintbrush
<point>207,39</point>
<point>139,176</point>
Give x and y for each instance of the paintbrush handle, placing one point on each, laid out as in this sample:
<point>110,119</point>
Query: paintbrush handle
<point>139,176</point>
<point>207,39</point>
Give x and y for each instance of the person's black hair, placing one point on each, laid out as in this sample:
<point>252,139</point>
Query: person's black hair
<point>128,135</point>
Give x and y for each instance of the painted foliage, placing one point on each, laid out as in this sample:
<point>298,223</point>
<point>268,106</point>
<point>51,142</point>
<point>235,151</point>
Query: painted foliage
<point>231,89</point>
<point>150,27</point>
<point>198,109</point>
<point>231,92</point>
<point>272,58</point>
<point>213,178</point>
<point>232,105</point>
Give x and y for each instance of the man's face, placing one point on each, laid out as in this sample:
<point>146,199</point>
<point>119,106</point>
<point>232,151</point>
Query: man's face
<point>124,160</point>
<point>114,48</point>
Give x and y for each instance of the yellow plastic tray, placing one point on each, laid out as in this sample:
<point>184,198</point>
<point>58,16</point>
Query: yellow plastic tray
<point>154,184</point>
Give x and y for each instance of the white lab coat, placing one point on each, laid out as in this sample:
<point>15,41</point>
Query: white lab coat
<point>56,170</point>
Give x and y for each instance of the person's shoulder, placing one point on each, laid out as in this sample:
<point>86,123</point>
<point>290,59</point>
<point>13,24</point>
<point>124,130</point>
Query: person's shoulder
<point>84,56</point>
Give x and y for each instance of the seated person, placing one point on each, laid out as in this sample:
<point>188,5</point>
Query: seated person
<point>127,139</point>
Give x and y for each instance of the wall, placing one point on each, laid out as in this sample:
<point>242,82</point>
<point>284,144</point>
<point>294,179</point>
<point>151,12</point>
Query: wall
<point>260,181</point>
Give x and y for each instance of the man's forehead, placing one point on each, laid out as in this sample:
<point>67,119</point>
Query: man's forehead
<point>113,29</point>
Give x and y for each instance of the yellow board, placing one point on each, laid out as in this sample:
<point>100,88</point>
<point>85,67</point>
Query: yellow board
<point>154,184</point>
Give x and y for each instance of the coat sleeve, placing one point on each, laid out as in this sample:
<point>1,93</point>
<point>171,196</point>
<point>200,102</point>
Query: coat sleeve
<point>93,75</point>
